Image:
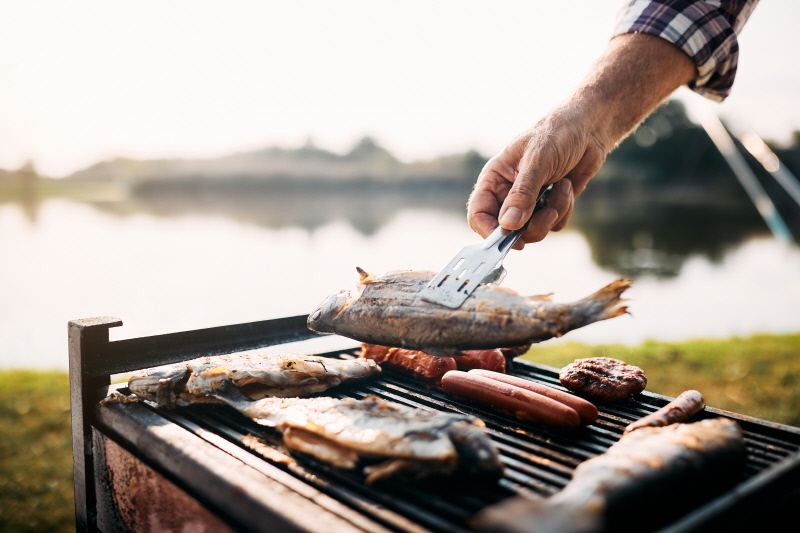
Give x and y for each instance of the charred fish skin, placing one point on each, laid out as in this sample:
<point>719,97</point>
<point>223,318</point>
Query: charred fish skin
<point>642,482</point>
<point>257,376</point>
<point>403,440</point>
<point>387,310</point>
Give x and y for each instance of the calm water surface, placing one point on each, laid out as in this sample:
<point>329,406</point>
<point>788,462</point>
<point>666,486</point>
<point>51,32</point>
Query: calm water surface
<point>164,274</point>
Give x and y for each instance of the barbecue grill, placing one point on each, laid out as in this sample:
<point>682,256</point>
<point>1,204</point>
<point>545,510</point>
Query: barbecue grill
<point>208,468</point>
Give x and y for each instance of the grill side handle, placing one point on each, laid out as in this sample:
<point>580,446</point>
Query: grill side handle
<point>93,359</point>
<point>87,338</point>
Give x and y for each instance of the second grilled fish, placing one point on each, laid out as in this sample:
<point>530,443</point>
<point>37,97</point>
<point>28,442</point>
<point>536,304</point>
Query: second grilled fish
<point>387,310</point>
<point>397,439</point>
<point>256,376</point>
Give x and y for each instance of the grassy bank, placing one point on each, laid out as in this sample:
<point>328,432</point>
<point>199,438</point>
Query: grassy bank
<point>35,452</point>
<point>757,376</point>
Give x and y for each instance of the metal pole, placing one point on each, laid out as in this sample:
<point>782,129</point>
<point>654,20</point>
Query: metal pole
<point>722,139</point>
<point>756,146</point>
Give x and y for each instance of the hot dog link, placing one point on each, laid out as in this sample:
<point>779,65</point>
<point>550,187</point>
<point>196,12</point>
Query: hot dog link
<point>585,409</point>
<point>523,404</point>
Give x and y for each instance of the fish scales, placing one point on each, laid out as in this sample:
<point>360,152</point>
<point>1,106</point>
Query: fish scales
<point>388,310</point>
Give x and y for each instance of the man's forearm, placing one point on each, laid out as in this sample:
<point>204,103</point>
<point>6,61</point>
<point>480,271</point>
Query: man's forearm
<point>632,77</point>
<point>569,145</point>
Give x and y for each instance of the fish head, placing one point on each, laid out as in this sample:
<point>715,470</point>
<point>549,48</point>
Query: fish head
<point>324,316</point>
<point>477,454</point>
<point>162,385</point>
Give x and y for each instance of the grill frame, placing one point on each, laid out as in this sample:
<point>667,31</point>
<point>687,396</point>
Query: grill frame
<point>247,492</point>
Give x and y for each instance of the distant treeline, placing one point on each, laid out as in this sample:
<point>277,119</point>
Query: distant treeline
<point>668,153</point>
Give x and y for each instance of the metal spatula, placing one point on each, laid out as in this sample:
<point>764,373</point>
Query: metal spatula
<point>476,264</point>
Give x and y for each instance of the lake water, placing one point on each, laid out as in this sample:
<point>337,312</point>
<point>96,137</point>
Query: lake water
<point>166,270</point>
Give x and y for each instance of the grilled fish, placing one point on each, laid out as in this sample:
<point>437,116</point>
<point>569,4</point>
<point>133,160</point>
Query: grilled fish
<point>403,440</point>
<point>257,376</point>
<point>387,310</point>
<point>646,479</point>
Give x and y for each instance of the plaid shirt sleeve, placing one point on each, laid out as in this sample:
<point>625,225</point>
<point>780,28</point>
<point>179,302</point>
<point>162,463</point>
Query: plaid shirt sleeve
<point>705,30</point>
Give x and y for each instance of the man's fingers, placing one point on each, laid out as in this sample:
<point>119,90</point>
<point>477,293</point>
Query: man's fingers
<point>540,225</point>
<point>561,199</point>
<point>518,205</point>
<point>562,223</point>
<point>482,224</point>
<point>491,188</point>
<point>558,206</point>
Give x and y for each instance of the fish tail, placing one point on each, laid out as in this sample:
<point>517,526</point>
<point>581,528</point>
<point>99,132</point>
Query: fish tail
<point>604,304</point>
<point>609,297</point>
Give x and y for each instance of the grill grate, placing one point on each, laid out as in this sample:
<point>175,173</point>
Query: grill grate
<point>537,460</point>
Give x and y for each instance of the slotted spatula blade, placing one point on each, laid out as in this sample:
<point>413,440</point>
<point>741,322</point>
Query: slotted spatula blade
<point>475,264</point>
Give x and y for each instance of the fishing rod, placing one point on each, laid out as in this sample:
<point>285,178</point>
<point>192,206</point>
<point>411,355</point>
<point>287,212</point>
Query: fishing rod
<point>756,146</point>
<point>766,208</point>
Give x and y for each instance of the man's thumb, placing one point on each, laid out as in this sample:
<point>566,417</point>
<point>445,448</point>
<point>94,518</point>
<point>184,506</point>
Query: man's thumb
<point>518,205</point>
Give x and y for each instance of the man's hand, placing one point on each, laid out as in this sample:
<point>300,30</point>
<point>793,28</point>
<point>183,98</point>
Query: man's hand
<point>556,150</point>
<point>568,146</point>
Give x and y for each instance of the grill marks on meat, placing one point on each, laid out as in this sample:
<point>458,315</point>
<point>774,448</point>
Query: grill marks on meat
<point>642,482</point>
<point>603,378</point>
<point>418,364</point>
<point>494,360</point>
<point>430,368</point>
<point>387,310</point>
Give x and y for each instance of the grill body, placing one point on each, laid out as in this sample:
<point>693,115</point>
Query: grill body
<point>139,468</point>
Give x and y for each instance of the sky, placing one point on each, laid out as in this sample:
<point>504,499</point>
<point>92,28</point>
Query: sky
<point>86,81</point>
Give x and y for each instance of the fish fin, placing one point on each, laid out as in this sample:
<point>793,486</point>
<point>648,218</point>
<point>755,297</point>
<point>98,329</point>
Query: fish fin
<point>388,469</point>
<point>497,288</point>
<point>364,277</point>
<point>170,387</point>
<point>409,467</point>
<point>300,440</point>
<point>231,395</point>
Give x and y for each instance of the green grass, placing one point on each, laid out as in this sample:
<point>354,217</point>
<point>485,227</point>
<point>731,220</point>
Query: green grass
<point>757,376</point>
<point>35,452</point>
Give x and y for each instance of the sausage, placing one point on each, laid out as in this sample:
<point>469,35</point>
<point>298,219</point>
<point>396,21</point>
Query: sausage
<point>681,409</point>
<point>585,409</point>
<point>523,404</point>
<point>422,366</point>
<point>484,359</point>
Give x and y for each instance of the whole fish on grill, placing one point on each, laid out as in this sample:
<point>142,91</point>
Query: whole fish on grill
<point>256,375</point>
<point>394,438</point>
<point>387,310</point>
<point>642,482</point>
